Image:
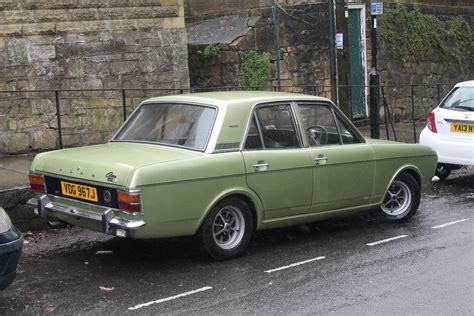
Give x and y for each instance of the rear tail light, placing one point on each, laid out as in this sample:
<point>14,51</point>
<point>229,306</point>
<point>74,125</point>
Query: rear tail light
<point>129,202</point>
<point>430,123</point>
<point>37,183</point>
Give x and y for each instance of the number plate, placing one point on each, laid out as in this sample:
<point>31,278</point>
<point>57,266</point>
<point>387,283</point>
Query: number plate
<point>79,191</point>
<point>462,128</point>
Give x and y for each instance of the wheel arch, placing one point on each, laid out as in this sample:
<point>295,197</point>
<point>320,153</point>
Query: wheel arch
<point>412,170</point>
<point>249,197</point>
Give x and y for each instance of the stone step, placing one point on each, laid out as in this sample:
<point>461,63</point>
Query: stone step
<point>89,14</point>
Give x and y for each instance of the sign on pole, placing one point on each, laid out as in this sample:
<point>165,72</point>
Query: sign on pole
<point>376,8</point>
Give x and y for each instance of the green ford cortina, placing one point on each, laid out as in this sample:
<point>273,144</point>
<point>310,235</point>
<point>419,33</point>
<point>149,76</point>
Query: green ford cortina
<point>222,165</point>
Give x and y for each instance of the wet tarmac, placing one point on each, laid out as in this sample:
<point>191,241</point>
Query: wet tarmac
<point>420,267</point>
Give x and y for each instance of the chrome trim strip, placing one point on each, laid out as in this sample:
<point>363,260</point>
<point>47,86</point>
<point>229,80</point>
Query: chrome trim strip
<point>470,122</point>
<point>91,182</point>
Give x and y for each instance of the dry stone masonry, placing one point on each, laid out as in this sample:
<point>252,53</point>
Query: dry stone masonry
<point>86,44</point>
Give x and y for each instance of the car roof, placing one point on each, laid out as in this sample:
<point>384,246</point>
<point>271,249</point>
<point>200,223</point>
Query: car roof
<point>232,98</point>
<point>469,83</point>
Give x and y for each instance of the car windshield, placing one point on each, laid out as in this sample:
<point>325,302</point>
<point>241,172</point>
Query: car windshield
<point>461,98</point>
<point>181,125</point>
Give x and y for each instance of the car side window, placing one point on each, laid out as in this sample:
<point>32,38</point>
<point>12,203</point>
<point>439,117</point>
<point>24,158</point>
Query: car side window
<point>347,135</point>
<point>253,141</point>
<point>319,124</point>
<point>277,126</point>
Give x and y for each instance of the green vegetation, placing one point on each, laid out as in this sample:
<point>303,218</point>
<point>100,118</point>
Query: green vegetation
<point>209,51</point>
<point>254,71</point>
<point>415,36</point>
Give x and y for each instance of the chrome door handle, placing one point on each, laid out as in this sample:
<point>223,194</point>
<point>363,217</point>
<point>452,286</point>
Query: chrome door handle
<point>260,166</point>
<point>321,160</point>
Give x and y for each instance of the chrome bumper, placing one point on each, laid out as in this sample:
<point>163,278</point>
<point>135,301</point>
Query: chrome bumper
<point>108,221</point>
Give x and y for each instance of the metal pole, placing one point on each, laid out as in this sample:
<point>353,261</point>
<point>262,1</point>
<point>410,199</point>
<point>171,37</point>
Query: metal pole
<point>124,105</point>
<point>332,51</point>
<point>277,45</point>
<point>413,113</point>
<point>374,84</point>
<point>58,117</point>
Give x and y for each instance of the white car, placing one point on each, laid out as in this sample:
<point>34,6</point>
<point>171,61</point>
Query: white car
<point>450,130</point>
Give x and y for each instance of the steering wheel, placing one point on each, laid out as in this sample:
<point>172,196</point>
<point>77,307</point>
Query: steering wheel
<point>318,135</point>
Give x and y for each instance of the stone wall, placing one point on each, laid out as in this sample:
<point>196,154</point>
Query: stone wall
<point>431,76</point>
<point>86,44</point>
<point>304,41</point>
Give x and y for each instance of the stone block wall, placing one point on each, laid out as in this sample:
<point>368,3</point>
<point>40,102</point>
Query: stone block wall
<point>304,42</point>
<point>86,44</point>
<point>433,76</point>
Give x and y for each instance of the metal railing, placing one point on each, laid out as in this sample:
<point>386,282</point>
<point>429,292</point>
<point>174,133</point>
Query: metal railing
<point>389,101</point>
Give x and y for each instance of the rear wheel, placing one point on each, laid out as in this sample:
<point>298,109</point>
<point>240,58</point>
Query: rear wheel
<point>443,171</point>
<point>402,199</point>
<point>227,229</point>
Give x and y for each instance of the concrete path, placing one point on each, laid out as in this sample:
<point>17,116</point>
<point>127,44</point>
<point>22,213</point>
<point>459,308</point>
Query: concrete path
<point>14,171</point>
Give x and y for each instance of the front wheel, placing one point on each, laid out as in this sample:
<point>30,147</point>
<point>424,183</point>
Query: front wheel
<point>226,231</point>
<point>402,199</point>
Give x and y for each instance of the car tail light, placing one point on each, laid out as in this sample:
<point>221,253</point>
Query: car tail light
<point>37,183</point>
<point>129,202</point>
<point>430,123</point>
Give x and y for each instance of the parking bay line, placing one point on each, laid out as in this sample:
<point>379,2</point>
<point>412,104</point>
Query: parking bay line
<point>385,240</point>
<point>295,264</point>
<point>450,223</point>
<point>170,298</point>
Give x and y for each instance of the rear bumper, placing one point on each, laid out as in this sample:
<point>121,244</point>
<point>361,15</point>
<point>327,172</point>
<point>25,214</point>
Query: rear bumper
<point>451,152</point>
<point>10,252</point>
<point>106,222</point>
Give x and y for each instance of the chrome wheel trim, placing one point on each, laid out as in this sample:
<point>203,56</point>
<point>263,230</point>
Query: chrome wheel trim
<point>228,227</point>
<point>398,199</point>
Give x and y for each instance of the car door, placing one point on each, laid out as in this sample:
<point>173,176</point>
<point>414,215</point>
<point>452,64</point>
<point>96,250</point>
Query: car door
<point>343,163</point>
<point>278,169</point>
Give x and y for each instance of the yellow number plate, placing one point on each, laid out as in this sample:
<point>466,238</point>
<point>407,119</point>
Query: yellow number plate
<point>462,128</point>
<point>79,191</point>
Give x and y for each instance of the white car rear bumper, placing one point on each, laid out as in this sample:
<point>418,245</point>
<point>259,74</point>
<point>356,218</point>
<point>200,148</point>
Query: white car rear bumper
<point>452,152</point>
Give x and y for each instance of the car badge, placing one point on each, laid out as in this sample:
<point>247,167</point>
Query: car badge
<point>107,196</point>
<point>467,116</point>
<point>111,177</point>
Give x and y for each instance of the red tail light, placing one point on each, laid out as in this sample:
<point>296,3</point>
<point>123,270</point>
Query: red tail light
<point>129,202</point>
<point>37,183</point>
<point>430,123</point>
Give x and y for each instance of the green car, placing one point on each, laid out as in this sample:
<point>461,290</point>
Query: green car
<point>224,164</point>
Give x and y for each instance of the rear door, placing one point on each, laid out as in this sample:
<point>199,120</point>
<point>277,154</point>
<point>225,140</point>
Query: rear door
<point>343,165</point>
<point>278,169</point>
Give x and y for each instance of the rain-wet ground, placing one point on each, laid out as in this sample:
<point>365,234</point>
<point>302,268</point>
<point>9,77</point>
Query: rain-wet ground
<point>324,267</point>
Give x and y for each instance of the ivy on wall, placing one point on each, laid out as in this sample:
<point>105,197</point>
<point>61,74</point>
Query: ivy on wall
<point>415,36</point>
<point>254,71</point>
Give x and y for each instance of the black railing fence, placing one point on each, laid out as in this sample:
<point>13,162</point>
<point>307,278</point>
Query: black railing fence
<point>47,119</point>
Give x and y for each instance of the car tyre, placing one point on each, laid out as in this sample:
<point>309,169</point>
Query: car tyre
<point>401,200</point>
<point>226,231</point>
<point>442,171</point>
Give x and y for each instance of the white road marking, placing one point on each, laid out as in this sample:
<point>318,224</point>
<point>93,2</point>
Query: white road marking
<point>170,298</point>
<point>294,264</point>
<point>450,223</point>
<point>385,240</point>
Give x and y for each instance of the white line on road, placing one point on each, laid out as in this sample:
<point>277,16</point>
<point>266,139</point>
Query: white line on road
<point>294,264</point>
<point>170,298</point>
<point>450,223</point>
<point>385,240</point>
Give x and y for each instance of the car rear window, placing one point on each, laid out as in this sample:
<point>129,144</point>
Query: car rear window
<point>461,98</point>
<point>182,125</point>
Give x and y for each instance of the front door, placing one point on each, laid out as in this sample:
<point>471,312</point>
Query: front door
<point>356,57</point>
<point>344,168</point>
<point>278,169</point>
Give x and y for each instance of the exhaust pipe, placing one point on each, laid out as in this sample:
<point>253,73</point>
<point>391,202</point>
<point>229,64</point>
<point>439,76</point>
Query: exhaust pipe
<point>57,224</point>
